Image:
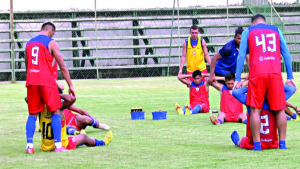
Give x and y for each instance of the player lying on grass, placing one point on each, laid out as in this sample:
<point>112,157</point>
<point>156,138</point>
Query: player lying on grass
<point>77,122</point>
<point>268,130</point>
<point>67,142</point>
<point>231,108</point>
<point>199,102</point>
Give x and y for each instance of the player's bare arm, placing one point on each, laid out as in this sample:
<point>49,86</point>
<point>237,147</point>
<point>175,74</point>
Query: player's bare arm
<point>205,51</point>
<point>214,60</point>
<point>183,79</point>
<point>183,58</point>
<point>54,49</point>
<point>79,111</point>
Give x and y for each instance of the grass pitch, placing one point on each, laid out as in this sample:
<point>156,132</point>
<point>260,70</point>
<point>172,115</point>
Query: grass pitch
<point>178,142</point>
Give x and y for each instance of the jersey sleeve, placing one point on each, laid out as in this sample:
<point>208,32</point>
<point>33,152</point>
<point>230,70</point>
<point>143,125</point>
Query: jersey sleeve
<point>242,54</point>
<point>240,94</point>
<point>226,50</point>
<point>286,56</point>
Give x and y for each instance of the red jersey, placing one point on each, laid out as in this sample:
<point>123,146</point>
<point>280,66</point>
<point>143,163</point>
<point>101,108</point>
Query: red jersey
<point>230,105</point>
<point>264,50</point>
<point>40,70</point>
<point>198,94</point>
<point>268,132</point>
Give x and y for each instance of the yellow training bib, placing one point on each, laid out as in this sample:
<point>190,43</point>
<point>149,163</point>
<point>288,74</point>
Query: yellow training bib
<point>47,132</point>
<point>195,56</point>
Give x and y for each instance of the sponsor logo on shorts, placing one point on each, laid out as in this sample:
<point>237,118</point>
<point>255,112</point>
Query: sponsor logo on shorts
<point>266,140</point>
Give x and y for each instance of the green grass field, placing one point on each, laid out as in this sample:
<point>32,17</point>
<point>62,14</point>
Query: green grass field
<point>178,142</point>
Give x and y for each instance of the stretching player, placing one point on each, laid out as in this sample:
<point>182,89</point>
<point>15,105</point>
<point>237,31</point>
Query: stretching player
<point>41,52</point>
<point>67,142</point>
<point>268,130</point>
<point>266,44</point>
<point>231,108</point>
<point>199,102</point>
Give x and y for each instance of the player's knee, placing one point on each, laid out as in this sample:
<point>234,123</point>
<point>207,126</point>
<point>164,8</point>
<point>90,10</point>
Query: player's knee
<point>88,120</point>
<point>71,99</point>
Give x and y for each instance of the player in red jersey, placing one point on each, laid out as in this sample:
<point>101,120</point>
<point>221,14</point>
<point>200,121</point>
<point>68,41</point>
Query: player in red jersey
<point>41,54</point>
<point>268,130</point>
<point>231,108</point>
<point>199,102</point>
<point>265,44</point>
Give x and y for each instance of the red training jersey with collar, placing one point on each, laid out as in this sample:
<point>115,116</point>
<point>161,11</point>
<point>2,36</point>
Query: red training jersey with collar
<point>230,105</point>
<point>198,94</point>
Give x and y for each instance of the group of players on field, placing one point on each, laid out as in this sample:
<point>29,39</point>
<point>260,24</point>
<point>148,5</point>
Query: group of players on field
<point>262,92</point>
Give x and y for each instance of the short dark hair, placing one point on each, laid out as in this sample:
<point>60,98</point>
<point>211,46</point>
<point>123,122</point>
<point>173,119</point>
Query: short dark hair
<point>230,76</point>
<point>46,24</point>
<point>257,16</point>
<point>194,27</point>
<point>196,73</point>
<point>239,31</point>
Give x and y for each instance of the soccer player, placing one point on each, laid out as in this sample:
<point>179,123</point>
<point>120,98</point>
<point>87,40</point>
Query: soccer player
<point>224,61</point>
<point>265,44</point>
<point>268,130</point>
<point>231,108</point>
<point>289,112</point>
<point>41,52</point>
<point>67,142</point>
<point>199,102</point>
<point>193,51</point>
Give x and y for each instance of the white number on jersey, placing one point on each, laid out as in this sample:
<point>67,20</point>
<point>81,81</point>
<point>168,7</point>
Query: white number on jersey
<point>265,124</point>
<point>271,43</point>
<point>35,55</point>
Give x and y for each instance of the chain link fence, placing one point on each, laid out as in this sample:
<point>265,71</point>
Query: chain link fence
<point>113,43</point>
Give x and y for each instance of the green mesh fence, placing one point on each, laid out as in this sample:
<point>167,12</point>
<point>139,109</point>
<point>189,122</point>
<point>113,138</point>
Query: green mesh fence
<point>137,42</point>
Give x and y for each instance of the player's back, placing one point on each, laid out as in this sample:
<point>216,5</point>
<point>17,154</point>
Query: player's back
<point>47,136</point>
<point>264,49</point>
<point>198,94</point>
<point>40,62</point>
<point>229,104</point>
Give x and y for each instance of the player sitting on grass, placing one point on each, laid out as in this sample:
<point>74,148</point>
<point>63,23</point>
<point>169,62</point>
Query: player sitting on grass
<point>268,130</point>
<point>231,108</point>
<point>199,102</point>
<point>67,142</point>
<point>290,114</point>
<point>77,122</point>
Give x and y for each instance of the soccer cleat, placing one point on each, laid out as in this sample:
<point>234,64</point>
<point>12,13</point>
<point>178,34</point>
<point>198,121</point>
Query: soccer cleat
<point>235,138</point>
<point>214,119</point>
<point>103,126</point>
<point>108,138</point>
<point>178,109</point>
<point>188,109</point>
<point>62,149</point>
<point>29,150</point>
<point>76,133</point>
<point>82,132</point>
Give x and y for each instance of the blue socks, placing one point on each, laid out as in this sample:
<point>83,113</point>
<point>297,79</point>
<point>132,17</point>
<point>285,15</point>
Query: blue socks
<point>245,121</point>
<point>257,146</point>
<point>221,122</point>
<point>56,127</point>
<point>94,122</point>
<point>288,118</point>
<point>99,142</point>
<point>294,116</point>
<point>282,145</point>
<point>30,128</point>
<point>235,138</point>
<point>196,109</point>
<point>71,130</point>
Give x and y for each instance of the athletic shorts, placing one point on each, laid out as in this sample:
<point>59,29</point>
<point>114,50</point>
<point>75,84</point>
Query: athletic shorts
<point>246,143</point>
<point>232,117</point>
<point>38,96</point>
<point>269,86</point>
<point>192,79</point>
<point>72,121</point>
<point>204,108</point>
<point>72,143</point>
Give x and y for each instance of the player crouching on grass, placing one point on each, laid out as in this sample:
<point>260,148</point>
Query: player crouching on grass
<point>231,108</point>
<point>199,102</point>
<point>268,130</point>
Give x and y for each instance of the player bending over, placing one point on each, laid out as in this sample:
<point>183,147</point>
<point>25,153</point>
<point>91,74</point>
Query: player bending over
<point>268,130</point>
<point>231,108</point>
<point>199,102</point>
<point>67,142</point>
